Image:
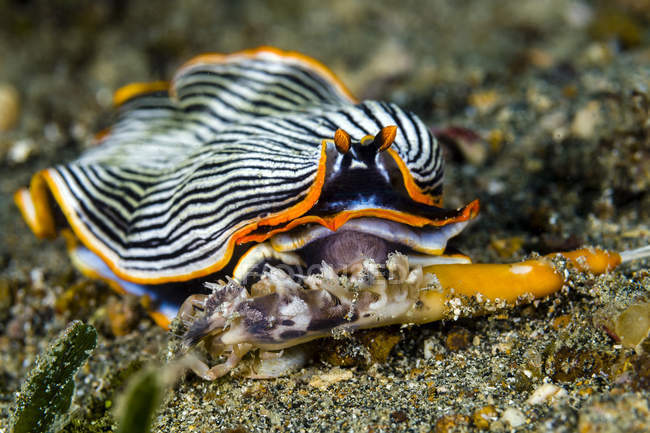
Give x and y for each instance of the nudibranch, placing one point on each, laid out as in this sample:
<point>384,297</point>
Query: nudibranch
<point>257,199</point>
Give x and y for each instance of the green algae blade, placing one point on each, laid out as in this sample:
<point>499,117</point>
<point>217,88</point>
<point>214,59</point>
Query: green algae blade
<point>140,402</point>
<point>143,396</point>
<point>46,394</point>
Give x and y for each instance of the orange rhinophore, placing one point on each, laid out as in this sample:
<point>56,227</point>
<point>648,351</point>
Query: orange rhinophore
<point>385,137</point>
<point>342,140</point>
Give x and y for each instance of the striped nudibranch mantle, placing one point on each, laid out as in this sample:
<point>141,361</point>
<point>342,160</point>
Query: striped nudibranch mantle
<point>257,199</point>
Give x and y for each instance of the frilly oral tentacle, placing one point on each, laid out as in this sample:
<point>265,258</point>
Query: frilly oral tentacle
<point>205,314</point>
<point>329,281</point>
<point>289,314</point>
<point>274,280</point>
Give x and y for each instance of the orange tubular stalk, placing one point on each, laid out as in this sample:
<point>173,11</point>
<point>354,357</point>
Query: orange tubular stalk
<point>506,282</point>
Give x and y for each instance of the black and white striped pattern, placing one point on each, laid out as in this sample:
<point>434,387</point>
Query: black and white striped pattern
<point>162,196</point>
